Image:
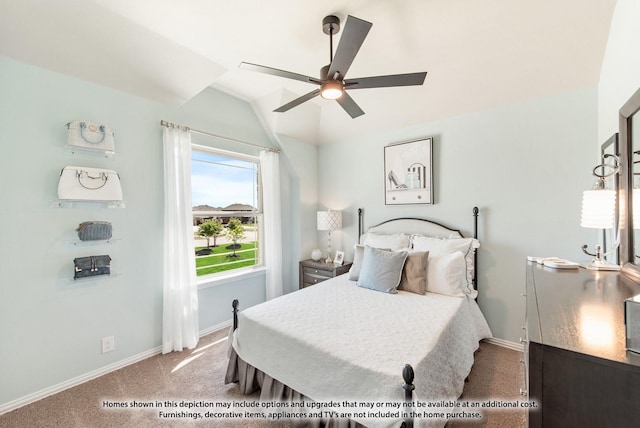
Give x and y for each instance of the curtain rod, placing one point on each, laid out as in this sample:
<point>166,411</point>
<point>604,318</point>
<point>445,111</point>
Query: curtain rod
<point>209,134</point>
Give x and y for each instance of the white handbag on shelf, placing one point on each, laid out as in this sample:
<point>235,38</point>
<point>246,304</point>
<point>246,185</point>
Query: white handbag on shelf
<point>81,183</point>
<point>90,136</point>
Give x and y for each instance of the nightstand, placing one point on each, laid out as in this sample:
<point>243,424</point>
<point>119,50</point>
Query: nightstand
<point>314,272</point>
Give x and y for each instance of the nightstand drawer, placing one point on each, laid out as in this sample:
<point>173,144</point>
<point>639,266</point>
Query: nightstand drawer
<point>312,272</point>
<point>313,279</point>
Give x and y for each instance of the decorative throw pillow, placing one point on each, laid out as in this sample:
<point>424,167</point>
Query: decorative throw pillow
<point>381,270</point>
<point>414,273</point>
<point>358,253</point>
<point>445,274</point>
<point>448,246</point>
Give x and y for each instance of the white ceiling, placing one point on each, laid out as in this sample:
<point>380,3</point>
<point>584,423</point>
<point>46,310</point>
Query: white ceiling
<point>479,54</point>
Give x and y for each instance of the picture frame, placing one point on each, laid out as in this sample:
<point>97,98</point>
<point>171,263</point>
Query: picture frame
<point>339,259</point>
<point>408,172</point>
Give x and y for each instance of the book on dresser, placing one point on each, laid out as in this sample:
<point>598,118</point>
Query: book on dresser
<point>312,272</point>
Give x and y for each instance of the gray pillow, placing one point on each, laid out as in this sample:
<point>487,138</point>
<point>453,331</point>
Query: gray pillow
<point>414,274</point>
<point>381,270</point>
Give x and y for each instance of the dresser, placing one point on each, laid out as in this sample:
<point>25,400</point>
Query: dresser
<point>312,272</point>
<point>576,366</point>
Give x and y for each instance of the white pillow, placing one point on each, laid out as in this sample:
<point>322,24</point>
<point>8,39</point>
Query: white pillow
<point>391,241</point>
<point>445,274</point>
<point>358,254</point>
<point>437,246</point>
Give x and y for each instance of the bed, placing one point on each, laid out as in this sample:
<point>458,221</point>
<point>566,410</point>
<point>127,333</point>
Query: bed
<point>356,340</point>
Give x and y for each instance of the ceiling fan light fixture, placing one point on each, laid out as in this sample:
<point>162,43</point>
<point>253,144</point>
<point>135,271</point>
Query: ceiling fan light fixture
<point>331,90</point>
<point>333,82</point>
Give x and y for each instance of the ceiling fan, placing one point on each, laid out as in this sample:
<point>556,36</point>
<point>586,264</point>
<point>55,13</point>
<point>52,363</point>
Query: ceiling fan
<point>332,82</point>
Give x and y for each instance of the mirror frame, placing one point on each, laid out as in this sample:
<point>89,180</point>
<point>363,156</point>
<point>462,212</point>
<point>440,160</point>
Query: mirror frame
<point>612,145</point>
<point>627,251</point>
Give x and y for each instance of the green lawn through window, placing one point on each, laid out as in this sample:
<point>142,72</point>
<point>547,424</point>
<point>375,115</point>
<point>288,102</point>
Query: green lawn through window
<point>219,261</point>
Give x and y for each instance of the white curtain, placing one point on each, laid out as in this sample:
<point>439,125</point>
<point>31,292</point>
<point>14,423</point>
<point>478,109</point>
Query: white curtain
<point>270,170</point>
<point>180,298</point>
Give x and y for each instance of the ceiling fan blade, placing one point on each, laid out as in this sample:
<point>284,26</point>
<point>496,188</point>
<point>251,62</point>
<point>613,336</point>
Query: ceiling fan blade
<point>350,106</point>
<point>298,101</point>
<point>353,35</point>
<point>409,79</point>
<point>280,73</point>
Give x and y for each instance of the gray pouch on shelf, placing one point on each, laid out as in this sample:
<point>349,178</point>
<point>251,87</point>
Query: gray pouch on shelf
<point>92,266</point>
<point>94,230</point>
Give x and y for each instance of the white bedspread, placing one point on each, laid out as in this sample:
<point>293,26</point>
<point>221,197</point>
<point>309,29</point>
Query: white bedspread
<point>337,341</point>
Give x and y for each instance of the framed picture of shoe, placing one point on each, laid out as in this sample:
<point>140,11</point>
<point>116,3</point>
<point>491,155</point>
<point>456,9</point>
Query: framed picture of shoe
<point>408,173</point>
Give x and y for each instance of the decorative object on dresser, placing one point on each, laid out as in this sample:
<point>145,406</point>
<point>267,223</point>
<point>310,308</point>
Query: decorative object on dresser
<point>329,220</point>
<point>313,272</point>
<point>89,135</point>
<point>316,255</point>
<point>408,171</point>
<point>82,183</point>
<point>576,365</point>
<point>339,258</point>
<point>632,323</point>
<point>599,211</point>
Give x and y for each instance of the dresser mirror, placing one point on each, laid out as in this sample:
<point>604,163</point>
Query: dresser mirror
<point>630,180</point>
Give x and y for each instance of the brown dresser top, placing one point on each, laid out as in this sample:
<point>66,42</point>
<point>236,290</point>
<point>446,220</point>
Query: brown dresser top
<point>580,310</point>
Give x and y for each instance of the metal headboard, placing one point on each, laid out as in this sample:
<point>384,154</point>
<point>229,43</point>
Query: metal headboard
<point>440,230</point>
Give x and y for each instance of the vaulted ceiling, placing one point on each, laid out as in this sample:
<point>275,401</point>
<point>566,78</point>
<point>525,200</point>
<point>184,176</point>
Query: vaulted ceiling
<point>479,54</point>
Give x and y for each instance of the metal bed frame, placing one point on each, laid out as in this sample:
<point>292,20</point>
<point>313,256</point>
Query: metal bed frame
<point>407,370</point>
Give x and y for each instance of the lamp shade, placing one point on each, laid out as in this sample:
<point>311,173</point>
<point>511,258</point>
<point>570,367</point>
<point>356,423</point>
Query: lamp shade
<point>329,220</point>
<point>598,208</point>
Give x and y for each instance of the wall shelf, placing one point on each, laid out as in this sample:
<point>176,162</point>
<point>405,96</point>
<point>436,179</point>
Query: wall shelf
<point>92,278</point>
<point>95,243</point>
<point>65,203</point>
<point>90,151</point>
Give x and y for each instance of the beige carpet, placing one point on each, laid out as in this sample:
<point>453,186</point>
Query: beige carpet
<point>196,375</point>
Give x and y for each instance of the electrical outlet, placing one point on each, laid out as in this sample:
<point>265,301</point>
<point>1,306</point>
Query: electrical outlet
<point>108,344</point>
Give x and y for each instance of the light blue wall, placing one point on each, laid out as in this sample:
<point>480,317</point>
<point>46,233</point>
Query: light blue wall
<point>620,73</point>
<point>50,326</point>
<point>524,165</point>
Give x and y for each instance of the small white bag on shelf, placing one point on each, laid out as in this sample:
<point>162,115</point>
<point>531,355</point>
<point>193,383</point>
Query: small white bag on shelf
<point>81,183</point>
<point>89,135</point>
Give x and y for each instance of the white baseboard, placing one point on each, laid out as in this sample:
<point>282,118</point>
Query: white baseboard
<point>505,344</point>
<point>213,329</point>
<point>43,393</point>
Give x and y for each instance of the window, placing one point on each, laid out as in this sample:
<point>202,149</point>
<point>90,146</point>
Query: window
<point>227,212</point>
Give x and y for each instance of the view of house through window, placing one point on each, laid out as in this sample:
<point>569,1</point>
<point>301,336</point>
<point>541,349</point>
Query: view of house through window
<point>226,211</point>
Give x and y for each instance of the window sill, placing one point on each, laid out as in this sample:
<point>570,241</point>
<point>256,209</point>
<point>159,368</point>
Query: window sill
<point>228,277</point>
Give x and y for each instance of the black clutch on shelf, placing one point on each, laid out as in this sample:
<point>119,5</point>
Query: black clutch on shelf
<point>92,266</point>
